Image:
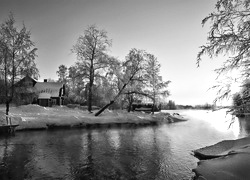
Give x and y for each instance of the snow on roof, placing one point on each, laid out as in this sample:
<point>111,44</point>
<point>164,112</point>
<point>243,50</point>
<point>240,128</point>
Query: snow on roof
<point>48,89</point>
<point>44,96</point>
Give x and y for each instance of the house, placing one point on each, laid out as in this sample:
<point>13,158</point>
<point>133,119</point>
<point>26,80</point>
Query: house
<point>24,90</point>
<point>50,93</point>
<point>28,91</point>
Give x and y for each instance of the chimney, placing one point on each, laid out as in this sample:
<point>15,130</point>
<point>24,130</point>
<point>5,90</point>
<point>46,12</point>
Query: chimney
<point>45,80</point>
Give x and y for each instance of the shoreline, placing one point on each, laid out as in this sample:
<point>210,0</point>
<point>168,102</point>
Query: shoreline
<point>34,117</point>
<point>94,125</point>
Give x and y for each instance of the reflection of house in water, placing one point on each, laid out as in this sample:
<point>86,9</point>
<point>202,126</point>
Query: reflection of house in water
<point>44,93</point>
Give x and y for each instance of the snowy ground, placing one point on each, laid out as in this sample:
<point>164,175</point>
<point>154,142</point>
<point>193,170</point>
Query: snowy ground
<point>230,160</point>
<point>38,117</point>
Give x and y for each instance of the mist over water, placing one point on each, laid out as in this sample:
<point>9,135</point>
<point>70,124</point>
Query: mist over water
<point>159,152</point>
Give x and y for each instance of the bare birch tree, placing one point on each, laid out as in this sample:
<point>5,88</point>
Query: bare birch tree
<point>17,56</point>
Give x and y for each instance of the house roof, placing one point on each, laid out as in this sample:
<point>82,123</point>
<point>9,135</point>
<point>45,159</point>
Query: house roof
<point>48,89</point>
<point>44,96</point>
<point>25,85</point>
<point>25,81</point>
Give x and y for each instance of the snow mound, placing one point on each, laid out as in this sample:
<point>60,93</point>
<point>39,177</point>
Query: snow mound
<point>221,149</point>
<point>231,160</point>
<point>32,108</point>
<point>234,166</point>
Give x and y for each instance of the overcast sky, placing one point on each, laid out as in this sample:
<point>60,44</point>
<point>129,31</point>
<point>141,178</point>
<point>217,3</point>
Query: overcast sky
<point>169,29</point>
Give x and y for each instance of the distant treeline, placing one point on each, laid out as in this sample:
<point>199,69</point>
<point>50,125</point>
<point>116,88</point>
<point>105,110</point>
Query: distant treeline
<point>172,106</point>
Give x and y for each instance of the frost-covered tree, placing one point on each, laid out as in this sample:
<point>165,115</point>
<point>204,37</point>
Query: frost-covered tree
<point>62,73</point>
<point>156,87</point>
<point>129,71</point>
<point>17,56</point>
<point>91,49</point>
<point>229,36</point>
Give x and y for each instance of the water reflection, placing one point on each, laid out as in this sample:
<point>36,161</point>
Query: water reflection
<point>11,164</point>
<point>161,152</point>
<point>114,139</point>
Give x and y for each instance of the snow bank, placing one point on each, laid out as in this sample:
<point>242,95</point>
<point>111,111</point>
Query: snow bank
<point>38,117</point>
<point>234,166</point>
<point>221,149</point>
<point>231,160</point>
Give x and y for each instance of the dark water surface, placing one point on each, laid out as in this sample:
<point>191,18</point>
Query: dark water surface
<point>159,152</point>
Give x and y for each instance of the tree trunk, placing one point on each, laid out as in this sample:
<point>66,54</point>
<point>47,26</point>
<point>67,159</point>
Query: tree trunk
<point>120,92</point>
<point>129,107</point>
<point>6,85</point>
<point>91,81</point>
<point>130,102</point>
<point>7,111</point>
<point>90,98</point>
<point>153,108</point>
<point>103,108</point>
<point>13,77</point>
<point>111,102</point>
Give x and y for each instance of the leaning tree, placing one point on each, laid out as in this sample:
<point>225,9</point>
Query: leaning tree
<point>229,36</point>
<point>129,71</point>
<point>17,56</point>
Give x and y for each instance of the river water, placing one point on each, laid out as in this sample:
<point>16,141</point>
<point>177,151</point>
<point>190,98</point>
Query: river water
<point>158,152</point>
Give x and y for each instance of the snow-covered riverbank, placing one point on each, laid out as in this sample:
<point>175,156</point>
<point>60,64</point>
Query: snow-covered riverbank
<point>229,159</point>
<point>32,117</point>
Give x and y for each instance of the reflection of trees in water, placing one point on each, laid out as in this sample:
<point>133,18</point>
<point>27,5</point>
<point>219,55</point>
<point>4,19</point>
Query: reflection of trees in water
<point>63,154</point>
<point>162,150</point>
<point>84,169</point>
<point>47,155</point>
<point>135,156</point>
<point>48,158</point>
<point>94,154</point>
<point>14,160</point>
<point>145,161</point>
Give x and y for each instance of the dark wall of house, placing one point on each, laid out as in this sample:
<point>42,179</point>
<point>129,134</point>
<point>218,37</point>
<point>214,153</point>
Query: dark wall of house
<point>57,101</point>
<point>44,102</point>
<point>50,102</point>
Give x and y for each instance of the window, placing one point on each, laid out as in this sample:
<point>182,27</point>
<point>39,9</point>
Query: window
<point>54,101</point>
